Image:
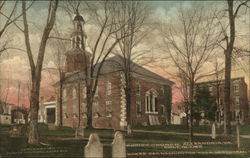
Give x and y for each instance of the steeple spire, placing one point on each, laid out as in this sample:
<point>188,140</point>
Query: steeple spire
<point>78,36</point>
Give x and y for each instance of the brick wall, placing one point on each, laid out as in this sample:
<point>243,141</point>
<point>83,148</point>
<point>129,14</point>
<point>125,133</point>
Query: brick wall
<point>113,121</point>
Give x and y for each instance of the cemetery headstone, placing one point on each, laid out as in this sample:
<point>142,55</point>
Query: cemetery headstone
<point>213,131</point>
<point>150,120</point>
<point>129,130</point>
<point>238,133</point>
<point>119,146</point>
<point>79,132</point>
<point>94,148</point>
<point>18,130</point>
<point>51,126</point>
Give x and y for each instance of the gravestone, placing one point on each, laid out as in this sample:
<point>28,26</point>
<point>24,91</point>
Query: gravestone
<point>79,132</point>
<point>19,130</point>
<point>51,126</point>
<point>119,146</point>
<point>157,120</point>
<point>213,131</point>
<point>150,120</point>
<point>153,120</point>
<point>129,130</point>
<point>238,134</point>
<point>94,148</point>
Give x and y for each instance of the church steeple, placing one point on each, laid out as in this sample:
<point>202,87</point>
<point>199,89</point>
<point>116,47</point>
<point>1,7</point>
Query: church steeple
<point>78,36</point>
<point>77,58</point>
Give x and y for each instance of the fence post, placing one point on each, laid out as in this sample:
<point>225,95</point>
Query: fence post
<point>118,146</point>
<point>94,148</point>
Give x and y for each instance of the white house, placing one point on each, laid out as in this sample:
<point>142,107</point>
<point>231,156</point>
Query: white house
<point>47,112</point>
<point>5,113</point>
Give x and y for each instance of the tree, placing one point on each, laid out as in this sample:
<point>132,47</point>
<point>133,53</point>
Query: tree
<point>190,44</point>
<point>7,19</point>
<point>104,18</point>
<point>58,57</point>
<point>135,14</point>
<point>36,66</point>
<point>233,8</point>
<point>218,69</point>
<point>204,103</point>
<point>232,14</point>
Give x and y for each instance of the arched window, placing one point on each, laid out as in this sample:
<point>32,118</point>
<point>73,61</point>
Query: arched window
<point>78,42</point>
<point>64,101</point>
<point>151,101</point>
<point>84,110</point>
<point>84,92</point>
<point>74,93</point>
<point>96,109</point>
<point>108,88</point>
<point>138,89</point>
<point>75,103</point>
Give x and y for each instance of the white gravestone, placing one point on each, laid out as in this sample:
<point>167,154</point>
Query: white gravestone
<point>119,146</point>
<point>79,132</point>
<point>129,130</point>
<point>213,131</point>
<point>51,126</point>
<point>94,148</point>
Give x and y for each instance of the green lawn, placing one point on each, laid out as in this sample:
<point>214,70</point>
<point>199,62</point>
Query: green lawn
<point>244,129</point>
<point>12,147</point>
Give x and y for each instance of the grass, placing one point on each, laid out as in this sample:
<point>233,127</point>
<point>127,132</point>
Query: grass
<point>205,129</point>
<point>75,148</point>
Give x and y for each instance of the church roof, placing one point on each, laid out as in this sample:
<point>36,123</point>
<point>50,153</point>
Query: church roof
<point>115,64</point>
<point>77,51</point>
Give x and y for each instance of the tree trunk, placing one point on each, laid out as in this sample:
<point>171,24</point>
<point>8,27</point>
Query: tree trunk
<point>34,106</point>
<point>128,94</point>
<point>128,104</point>
<point>190,123</point>
<point>228,56</point>
<point>89,111</point>
<point>227,101</point>
<point>60,102</point>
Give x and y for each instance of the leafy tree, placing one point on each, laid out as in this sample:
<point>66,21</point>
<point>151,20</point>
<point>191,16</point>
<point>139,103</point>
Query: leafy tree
<point>204,102</point>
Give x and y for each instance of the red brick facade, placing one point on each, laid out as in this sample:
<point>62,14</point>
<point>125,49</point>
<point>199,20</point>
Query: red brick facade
<point>109,106</point>
<point>103,120</point>
<point>239,100</point>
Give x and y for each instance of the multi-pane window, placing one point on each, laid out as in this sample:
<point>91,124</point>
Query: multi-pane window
<point>95,109</point>
<point>151,101</point>
<point>108,88</point>
<point>236,87</point>
<point>109,108</point>
<point>84,91</point>
<point>162,110</point>
<point>96,91</point>
<point>237,100</point>
<point>75,103</point>
<point>210,89</point>
<point>138,107</point>
<point>84,110</point>
<point>65,115</point>
<point>138,89</point>
<point>64,102</point>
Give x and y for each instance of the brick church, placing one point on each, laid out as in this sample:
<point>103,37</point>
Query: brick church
<point>148,98</point>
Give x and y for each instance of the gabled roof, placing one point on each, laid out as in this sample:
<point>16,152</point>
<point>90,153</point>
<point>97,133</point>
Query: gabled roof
<point>115,64</point>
